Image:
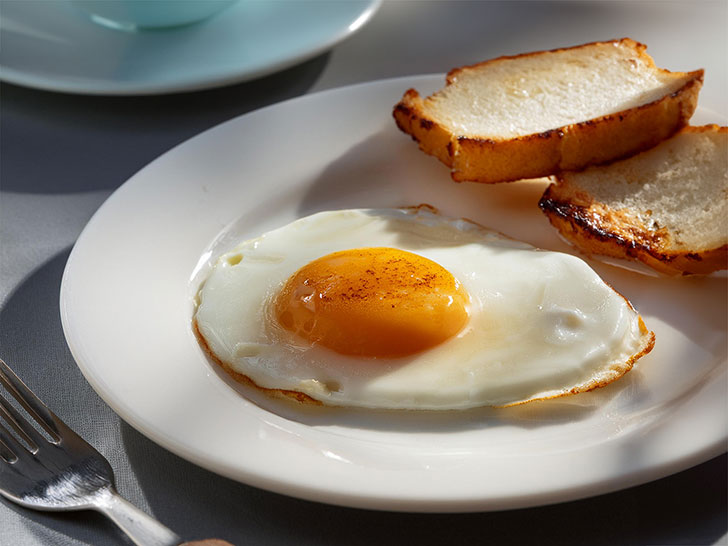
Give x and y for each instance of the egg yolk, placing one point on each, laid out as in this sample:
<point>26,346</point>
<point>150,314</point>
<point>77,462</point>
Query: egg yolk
<point>373,302</point>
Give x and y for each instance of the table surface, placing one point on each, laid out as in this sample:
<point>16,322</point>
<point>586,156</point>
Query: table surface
<point>62,156</point>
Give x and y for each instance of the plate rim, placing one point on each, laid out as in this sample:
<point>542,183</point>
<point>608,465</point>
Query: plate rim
<point>384,502</point>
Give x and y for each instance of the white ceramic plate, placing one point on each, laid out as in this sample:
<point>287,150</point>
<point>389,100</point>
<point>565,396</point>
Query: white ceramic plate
<point>126,304</point>
<point>54,45</point>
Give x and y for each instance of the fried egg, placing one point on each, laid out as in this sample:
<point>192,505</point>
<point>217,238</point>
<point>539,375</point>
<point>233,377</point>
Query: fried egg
<point>408,309</point>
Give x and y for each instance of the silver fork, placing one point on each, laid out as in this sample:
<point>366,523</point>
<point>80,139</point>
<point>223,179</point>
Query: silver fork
<point>65,472</point>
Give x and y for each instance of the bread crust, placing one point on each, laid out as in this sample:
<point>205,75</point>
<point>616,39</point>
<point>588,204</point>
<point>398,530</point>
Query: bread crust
<point>571,147</point>
<point>597,229</point>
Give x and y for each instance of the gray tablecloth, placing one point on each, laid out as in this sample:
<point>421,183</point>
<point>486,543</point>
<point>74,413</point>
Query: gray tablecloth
<point>62,155</point>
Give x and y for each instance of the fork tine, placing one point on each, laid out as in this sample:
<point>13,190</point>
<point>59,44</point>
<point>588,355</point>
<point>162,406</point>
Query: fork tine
<point>10,448</point>
<point>27,432</point>
<point>32,404</point>
<point>14,464</point>
<point>5,452</point>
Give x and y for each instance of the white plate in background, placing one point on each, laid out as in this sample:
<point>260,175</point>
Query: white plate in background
<point>126,304</point>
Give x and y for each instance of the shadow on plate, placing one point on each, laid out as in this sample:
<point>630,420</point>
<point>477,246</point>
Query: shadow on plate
<point>372,174</point>
<point>387,169</point>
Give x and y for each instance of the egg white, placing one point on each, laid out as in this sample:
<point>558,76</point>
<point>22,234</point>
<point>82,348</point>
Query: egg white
<point>542,324</point>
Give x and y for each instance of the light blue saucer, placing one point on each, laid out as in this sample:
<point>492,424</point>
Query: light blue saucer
<point>52,45</point>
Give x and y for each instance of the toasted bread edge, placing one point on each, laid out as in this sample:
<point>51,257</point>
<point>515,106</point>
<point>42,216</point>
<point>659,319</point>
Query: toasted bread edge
<point>571,147</point>
<point>586,225</point>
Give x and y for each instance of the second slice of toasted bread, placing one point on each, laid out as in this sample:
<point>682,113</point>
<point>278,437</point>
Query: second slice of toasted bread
<point>536,114</point>
<point>667,207</point>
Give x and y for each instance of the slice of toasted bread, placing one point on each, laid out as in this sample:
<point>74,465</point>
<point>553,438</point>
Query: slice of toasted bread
<point>536,114</point>
<point>667,207</point>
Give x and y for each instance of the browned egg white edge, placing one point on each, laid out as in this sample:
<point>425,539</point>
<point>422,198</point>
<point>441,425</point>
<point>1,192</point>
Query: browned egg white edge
<point>300,397</point>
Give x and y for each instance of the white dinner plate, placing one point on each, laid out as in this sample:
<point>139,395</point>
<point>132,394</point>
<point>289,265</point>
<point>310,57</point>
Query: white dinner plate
<point>127,303</point>
<point>50,44</point>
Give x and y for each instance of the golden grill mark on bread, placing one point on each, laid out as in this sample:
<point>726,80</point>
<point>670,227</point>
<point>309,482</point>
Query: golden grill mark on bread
<point>600,228</point>
<point>493,158</point>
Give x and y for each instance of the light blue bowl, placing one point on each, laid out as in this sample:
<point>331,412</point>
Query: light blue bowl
<point>133,15</point>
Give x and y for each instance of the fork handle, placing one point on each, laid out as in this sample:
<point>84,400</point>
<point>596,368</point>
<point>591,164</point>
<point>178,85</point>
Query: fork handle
<point>141,528</point>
